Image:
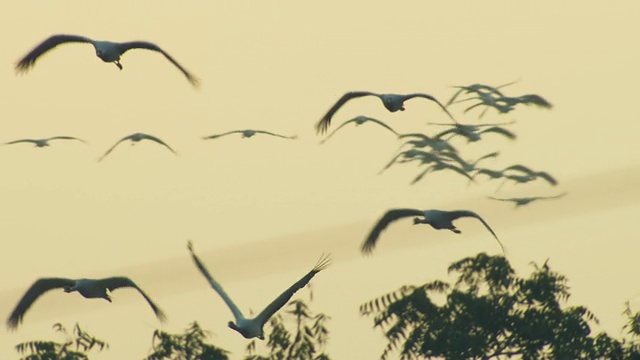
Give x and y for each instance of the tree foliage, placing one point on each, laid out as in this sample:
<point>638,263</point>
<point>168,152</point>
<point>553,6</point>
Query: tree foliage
<point>74,347</point>
<point>305,342</point>
<point>187,346</point>
<point>490,313</point>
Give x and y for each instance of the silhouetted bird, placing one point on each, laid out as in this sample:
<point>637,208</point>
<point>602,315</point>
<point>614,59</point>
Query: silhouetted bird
<point>359,120</point>
<point>520,201</point>
<point>479,89</point>
<point>137,137</point>
<point>438,219</point>
<point>107,51</point>
<point>43,142</point>
<point>247,134</point>
<point>88,288</point>
<point>392,102</point>
<point>252,328</point>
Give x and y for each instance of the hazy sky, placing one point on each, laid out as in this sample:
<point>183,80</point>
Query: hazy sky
<point>261,211</point>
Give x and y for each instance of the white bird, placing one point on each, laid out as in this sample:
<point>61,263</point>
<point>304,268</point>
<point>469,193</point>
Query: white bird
<point>252,328</point>
<point>43,142</point>
<point>107,51</point>
<point>520,201</point>
<point>392,102</point>
<point>136,138</point>
<point>248,133</point>
<point>438,219</point>
<point>88,288</point>
<point>359,120</point>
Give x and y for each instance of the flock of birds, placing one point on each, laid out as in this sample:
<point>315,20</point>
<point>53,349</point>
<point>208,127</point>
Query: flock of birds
<point>436,152</point>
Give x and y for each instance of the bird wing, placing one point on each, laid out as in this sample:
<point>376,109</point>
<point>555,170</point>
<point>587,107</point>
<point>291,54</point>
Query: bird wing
<point>323,125</point>
<point>338,128</point>
<point>494,198</point>
<point>65,138</point>
<point>427,96</point>
<point>453,130</point>
<point>21,141</point>
<point>499,130</point>
<point>455,96</point>
<point>273,134</point>
<point>490,173</point>
<point>418,135</point>
<point>153,138</point>
<point>237,314</point>
<point>458,170</point>
<point>215,136</point>
<point>123,47</point>
<point>545,175</point>
<point>557,196</point>
<point>489,155</point>
<point>128,137</point>
<point>466,213</point>
<point>117,282</point>
<point>389,217</point>
<point>283,298</point>
<point>535,100</point>
<point>38,288</point>
<point>30,59</point>
<point>521,168</point>
<point>382,124</point>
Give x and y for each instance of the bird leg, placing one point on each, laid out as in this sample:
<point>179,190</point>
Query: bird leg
<point>117,62</point>
<point>455,230</point>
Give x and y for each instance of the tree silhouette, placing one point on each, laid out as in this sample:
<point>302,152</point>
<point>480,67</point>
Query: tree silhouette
<point>187,346</point>
<point>74,348</point>
<point>306,342</point>
<point>490,313</point>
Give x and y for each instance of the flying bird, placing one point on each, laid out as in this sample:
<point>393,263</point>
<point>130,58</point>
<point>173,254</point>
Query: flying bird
<point>43,142</point>
<point>422,141</point>
<point>88,288</point>
<point>252,328</point>
<point>473,132</point>
<point>520,201</point>
<point>359,120</point>
<point>438,220</point>
<point>478,89</point>
<point>439,166</point>
<point>107,51</point>
<point>135,138</point>
<point>247,134</point>
<point>392,102</point>
<point>534,174</point>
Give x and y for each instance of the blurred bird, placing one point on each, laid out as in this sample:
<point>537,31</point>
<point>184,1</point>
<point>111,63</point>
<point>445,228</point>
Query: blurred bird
<point>107,51</point>
<point>534,174</point>
<point>438,166</point>
<point>520,201</point>
<point>392,102</point>
<point>478,89</point>
<point>135,138</point>
<point>473,132</point>
<point>469,166</point>
<point>43,142</point>
<point>88,288</point>
<point>252,328</point>
<point>422,141</point>
<point>410,155</point>
<point>438,220</point>
<point>359,120</point>
<point>247,134</point>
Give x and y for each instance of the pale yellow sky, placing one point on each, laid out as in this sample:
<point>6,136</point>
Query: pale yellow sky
<point>261,211</point>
